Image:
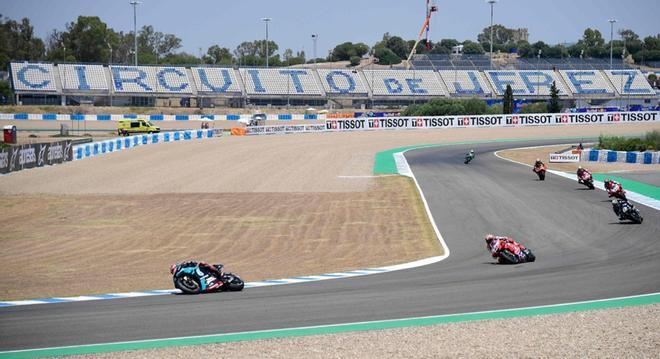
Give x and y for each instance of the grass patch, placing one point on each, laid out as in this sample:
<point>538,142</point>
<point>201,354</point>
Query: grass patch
<point>650,142</point>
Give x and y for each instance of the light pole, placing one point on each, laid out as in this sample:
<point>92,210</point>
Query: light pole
<point>109,65</point>
<point>266,20</point>
<point>612,21</point>
<point>373,61</point>
<point>538,72</point>
<point>314,38</point>
<point>135,3</point>
<point>492,4</point>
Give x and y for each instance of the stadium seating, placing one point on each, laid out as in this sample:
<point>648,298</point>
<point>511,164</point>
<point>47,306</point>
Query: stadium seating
<point>83,77</point>
<point>33,77</point>
<point>150,79</point>
<point>526,82</point>
<point>587,82</point>
<point>404,83</point>
<point>215,80</point>
<point>292,82</point>
<point>629,82</point>
<point>461,82</point>
<point>342,82</point>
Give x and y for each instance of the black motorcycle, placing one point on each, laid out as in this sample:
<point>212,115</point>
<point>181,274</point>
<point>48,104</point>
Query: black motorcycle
<point>191,278</point>
<point>506,257</point>
<point>626,211</point>
<point>468,157</point>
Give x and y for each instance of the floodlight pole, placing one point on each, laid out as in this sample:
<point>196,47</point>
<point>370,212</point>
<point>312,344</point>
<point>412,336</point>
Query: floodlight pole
<point>492,4</point>
<point>135,3</point>
<point>266,20</point>
<point>314,38</point>
<point>612,21</point>
<point>109,65</point>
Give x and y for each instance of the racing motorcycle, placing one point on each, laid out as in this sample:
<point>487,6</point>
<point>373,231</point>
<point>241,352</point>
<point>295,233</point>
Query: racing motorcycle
<point>193,278</point>
<point>625,210</point>
<point>540,171</point>
<point>617,191</point>
<point>586,180</point>
<point>469,157</point>
<point>507,257</point>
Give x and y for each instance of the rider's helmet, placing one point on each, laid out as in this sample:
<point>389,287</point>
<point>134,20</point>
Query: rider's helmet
<point>607,183</point>
<point>489,237</point>
<point>538,160</point>
<point>471,151</point>
<point>173,268</point>
<point>579,167</point>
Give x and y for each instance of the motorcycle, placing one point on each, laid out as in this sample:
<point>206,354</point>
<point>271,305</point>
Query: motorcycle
<point>586,180</point>
<point>625,210</point>
<point>617,192</point>
<point>540,171</point>
<point>468,157</point>
<point>191,278</point>
<point>507,257</point>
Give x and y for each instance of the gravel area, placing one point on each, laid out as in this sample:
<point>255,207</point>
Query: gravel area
<point>614,333</point>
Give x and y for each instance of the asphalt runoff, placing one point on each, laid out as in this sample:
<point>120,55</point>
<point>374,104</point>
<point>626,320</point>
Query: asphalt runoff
<point>583,253</point>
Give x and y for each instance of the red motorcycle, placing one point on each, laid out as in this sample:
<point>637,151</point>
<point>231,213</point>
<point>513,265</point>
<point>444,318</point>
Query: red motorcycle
<point>540,169</point>
<point>615,190</point>
<point>586,179</point>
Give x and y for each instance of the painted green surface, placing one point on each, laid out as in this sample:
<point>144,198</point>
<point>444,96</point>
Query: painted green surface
<point>632,186</point>
<point>338,328</point>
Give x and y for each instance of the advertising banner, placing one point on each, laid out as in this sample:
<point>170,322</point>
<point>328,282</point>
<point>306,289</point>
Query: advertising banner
<point>564,157</point>
<point>16,158</point>
<point>402,123</point>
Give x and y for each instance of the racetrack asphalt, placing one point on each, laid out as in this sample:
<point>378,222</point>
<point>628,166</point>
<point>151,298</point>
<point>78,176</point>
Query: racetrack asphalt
<point>583,253</point>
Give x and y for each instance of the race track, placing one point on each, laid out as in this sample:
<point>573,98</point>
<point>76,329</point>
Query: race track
<point>583,253</point>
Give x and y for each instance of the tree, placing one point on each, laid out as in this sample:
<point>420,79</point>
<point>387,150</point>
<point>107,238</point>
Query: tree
<point>355,60</point>
<point>398,46</point>
<point>17,42</point>
<point>507,106</point>
<point>218,55</point>
<point>470,47</point>
<point>155,44</point>
<point>344,51</point>
<point>181,58</point>
<point>386,56</point>
<point>501,35</point>
<point>6,96</point>
<point>555,105</point>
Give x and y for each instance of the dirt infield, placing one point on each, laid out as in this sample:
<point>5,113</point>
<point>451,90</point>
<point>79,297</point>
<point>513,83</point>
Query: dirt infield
<point>264,206</point>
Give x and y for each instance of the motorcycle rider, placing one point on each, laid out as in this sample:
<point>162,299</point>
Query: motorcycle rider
<point>214,269</point>
<point>496,244</point>
<point>539,166</point>
<point>621,208</point>
<point>612,187</point>
<point>582,173</point>
<point>469,156</point>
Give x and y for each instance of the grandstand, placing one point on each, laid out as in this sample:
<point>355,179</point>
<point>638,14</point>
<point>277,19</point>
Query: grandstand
<point>47,83</point>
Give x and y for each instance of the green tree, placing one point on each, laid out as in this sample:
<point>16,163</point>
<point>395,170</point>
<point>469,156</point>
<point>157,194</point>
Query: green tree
<point>501,36</point>
<point>344,51</point>
<point>218,55</point>
<point>181,58</point>
<point>507,101</point>
<point>18,42</point>
<point>6,96</point>
<point>471,47</point>
<point>156,45</point>
<point>555,105</point>
<point>386,56</point>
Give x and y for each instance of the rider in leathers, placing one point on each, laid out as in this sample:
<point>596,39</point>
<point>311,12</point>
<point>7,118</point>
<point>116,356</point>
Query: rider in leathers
<point>496,244</point>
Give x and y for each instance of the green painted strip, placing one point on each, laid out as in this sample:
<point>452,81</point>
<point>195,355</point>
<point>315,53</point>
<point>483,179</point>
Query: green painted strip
<point>384,161</point>
<point>339,328</point>
<point>645,189</point>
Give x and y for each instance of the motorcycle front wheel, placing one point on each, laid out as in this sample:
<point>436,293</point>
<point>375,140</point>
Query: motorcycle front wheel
<point>233,282</point>
<point>188,284</point>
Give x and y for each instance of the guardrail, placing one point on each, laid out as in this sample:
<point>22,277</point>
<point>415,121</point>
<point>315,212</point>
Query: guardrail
<point>117,144</point>
<point>647,157</point>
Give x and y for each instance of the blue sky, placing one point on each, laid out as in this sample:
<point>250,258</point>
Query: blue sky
<point>202,23</point>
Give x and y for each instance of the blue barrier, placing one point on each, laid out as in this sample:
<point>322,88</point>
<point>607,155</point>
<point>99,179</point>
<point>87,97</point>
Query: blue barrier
<point>104,117</point>
<point>593,155</point>
<point>648,158</point>
<point>631,157</point>
<point>233,117</point>
<point>611,156</point>
<point>49,116</point>
<point>156,117</point>
<point>77,117</point>
<point>181,118</point>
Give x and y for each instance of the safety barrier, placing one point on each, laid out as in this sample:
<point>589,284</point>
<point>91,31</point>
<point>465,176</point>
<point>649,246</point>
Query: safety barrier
<point>647,157</point>
<point>93,149</point>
